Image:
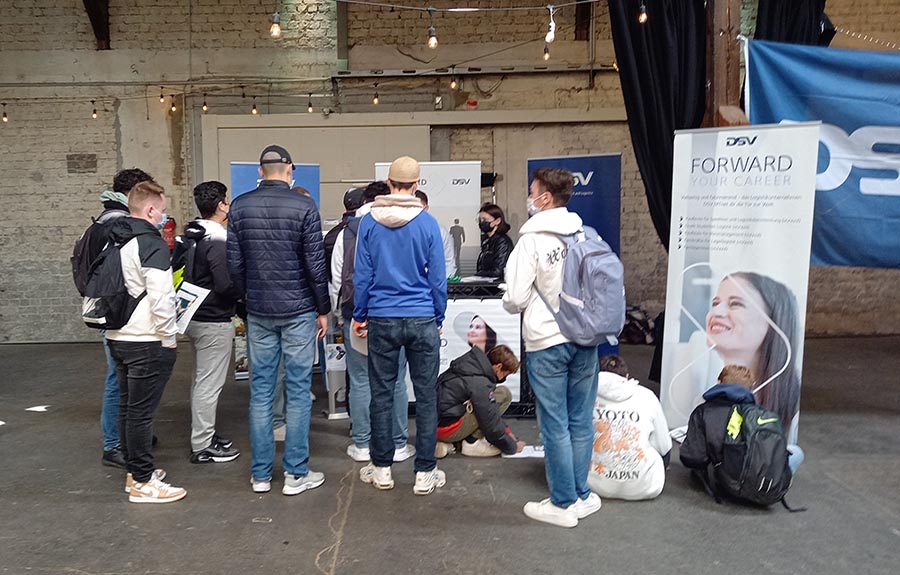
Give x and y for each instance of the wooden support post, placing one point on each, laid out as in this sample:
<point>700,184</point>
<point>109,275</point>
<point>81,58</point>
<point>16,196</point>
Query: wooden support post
<point>723,64</point>
<point>98,12</point>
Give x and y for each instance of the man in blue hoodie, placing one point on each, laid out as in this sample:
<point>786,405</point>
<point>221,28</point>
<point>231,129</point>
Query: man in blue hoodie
<point>400,297</point>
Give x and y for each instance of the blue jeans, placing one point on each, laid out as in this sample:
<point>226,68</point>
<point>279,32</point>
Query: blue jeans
<point>361,396</point>
<point>268,339</point>
<point>109,413</point>
<point>564,381</point>
<point>419,337</point>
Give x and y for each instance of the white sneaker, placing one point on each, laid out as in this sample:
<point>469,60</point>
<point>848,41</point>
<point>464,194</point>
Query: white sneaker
<point>260,486</point>
<point>443,449</point>
<point>280,432</point>
<point>585,507</point>
<point>380,477</point>
<point>297,484</point>
<point>358,453</point>
<point>426,481</point>
<point>548,513</point>
<point>157,474</point>
<point>155,491</point>
<point>481,448</point>
<point>404,453</point>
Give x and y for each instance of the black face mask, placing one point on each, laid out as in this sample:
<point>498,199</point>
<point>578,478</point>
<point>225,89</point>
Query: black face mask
<point>499,381</point>
<point>485,227</point>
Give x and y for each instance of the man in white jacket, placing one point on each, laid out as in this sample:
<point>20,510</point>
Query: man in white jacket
<point>144,348</point>
<point>631,436</point>
<point>562,375</point>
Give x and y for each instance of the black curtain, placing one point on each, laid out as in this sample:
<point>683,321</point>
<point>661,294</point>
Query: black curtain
<point>662,67</point>
<point>794,21</point>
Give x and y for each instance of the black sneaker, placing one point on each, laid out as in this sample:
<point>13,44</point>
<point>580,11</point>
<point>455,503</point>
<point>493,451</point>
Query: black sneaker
<point>154,442</point>
<point>221,441</point>
<point>113,458</point>
<point>215,453</point>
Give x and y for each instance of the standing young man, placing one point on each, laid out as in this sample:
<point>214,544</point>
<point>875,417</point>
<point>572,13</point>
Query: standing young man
<point>562,375</point>
<point>144,348</point>
<point>276,257</point>
<point>210,329</point>
<point>400,294</point>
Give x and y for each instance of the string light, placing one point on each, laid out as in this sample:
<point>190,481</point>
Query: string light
<point>375,100</point>
<point>94,113</point>
<point>309,107</point>
<point>642,14</point>
<point>551,32</point>
<point>275,28</point>
<point>5,117</point>
<point>173,107</point>
<point>546,52</point>
<point>162,99</point>
<point>432,32</point>
<point>253,110</point>
<point>453,83</point>
<point>205,108</point>
<point>243,94</point>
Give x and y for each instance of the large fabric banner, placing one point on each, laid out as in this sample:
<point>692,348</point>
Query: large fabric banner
<point>742,209</point>
<point>245,178</point>
<point>856,94</point>
<point>454,197</point>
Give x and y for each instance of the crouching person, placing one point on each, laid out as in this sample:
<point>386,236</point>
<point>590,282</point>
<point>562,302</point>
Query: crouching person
<point>631,437</point>
<point>471,404</point>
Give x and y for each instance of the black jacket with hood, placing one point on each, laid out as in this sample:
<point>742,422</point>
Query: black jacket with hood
<point>210,271</point>
<point>112,211</point>
<point>471,377</point>
<point>706,427</point>
<point>495,252</point>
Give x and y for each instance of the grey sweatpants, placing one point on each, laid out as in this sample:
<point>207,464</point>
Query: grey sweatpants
<point>212,347</point>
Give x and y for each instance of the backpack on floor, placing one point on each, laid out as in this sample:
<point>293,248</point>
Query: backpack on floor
<point>754,466</point>
<point>81,258</point>
<point>107,303</point>
<point>592,300</point>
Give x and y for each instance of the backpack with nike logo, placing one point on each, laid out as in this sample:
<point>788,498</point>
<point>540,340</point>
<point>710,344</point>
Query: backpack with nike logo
<point>754,466</point>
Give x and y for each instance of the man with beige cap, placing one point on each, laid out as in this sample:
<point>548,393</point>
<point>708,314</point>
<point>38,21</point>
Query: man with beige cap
<point>400,297</point>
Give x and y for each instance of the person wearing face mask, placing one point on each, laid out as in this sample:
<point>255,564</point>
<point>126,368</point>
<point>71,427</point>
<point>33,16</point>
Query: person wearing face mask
<point>144,348</point>
<point>495,243</point>
<point>471,403</point>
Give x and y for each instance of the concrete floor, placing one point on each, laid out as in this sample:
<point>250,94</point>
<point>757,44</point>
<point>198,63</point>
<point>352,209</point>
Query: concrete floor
<point>61,512</point>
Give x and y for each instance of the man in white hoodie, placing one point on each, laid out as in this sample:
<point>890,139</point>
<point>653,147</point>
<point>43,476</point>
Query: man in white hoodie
<point>562,375</point>
<point>631,436</point>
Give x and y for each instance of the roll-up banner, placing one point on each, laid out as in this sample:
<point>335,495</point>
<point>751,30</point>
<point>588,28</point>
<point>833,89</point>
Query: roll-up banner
<point>245,178</point>
<point>742,212</point>
<point>454,197</point>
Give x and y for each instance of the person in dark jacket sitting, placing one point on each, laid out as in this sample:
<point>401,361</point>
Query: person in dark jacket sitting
<point>470,404</point>
<point>210,329</point>
<point>276,258</point>
<point>495,244</point>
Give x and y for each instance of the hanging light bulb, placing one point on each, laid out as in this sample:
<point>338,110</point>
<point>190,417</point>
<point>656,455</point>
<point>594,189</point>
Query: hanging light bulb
<point>546,52</point>
<point>253,110</point>
<point>205,108</point>
<point>375,100</point>
<point>243,94</point>
<point>551,31</point>
<point>94,112</point>
<point>432,32</point>
<point>173,107</point>
<point>162,99</point>
<point>5,117</point>
<point>642,14</point>
<point>275,28</point>
<point>309,107</point>
<point>453,83</point>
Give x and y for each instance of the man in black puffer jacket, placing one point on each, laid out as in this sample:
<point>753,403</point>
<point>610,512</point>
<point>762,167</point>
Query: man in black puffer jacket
<point>276,258</point>
<point>470,404</point>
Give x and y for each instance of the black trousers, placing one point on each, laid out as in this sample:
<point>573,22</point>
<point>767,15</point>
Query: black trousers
<point>143,369</point>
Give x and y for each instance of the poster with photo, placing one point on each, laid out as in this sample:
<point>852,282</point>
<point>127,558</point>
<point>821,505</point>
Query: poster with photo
<point>742,212</point>
<point>187,301</point>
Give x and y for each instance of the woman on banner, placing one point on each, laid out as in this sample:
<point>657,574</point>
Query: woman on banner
<point>481,335</point>
<point>495,243</point>
<point>753,322</point>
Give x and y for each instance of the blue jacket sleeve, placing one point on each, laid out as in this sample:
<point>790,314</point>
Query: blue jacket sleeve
<point>437,272</point>
<point>363,273</point>
<point>313,260</point>
<point>236,267</point>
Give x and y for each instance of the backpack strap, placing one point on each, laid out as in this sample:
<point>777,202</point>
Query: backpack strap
<point>792,509</point>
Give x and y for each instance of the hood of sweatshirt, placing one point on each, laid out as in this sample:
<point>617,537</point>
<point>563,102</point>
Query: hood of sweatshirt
<point>556,221</point>
<point>199,229</point>
<point>396,210</point>
<point>613,387</point>
<point>127,228</point>
<point>474,362</point>
<point>729,393</point>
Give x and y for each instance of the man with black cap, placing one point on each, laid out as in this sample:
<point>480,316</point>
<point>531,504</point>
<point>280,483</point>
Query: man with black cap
<point>400,298</point>
<point>277,259</point>
<point>353,199</point>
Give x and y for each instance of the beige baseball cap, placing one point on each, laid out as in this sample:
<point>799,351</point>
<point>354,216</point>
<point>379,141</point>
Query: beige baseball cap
<point>404,170</point>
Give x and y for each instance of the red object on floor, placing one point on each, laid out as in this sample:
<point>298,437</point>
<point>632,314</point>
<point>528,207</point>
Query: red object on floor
<point>448,430</point>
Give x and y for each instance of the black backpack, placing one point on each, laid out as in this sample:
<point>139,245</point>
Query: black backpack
<point>346,295</point>
<point>81,254</point>
<point>183,260</point>
<point>754,467</point>
<point>330,240</point>
<point>107,303</point>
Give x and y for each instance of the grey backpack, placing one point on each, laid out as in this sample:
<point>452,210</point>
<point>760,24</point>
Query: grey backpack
<point>592,301</point>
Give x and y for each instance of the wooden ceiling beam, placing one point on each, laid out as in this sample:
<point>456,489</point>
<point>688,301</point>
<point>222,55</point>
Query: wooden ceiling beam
<point>98,12</point>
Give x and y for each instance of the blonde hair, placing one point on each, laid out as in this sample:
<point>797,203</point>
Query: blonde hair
<point>737,374</point>
<point>144,193</point>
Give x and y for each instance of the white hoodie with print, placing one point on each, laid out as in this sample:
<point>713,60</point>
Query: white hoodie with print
<point>538,260</point>
<point>630,437</point>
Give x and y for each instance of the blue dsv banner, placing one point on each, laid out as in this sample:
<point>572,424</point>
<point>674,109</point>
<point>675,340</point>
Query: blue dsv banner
<point>856,95</point>
<point>598,190</point>
<point>245,178</point>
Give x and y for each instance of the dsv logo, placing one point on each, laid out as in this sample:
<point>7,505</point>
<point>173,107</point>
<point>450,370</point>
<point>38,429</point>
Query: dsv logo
<point>868,148</point>
<point>460,181</point>
<point>582,179</point>
<point>740,141</point>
